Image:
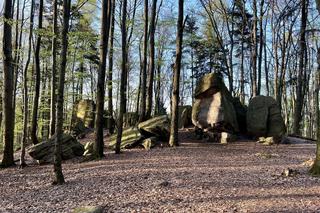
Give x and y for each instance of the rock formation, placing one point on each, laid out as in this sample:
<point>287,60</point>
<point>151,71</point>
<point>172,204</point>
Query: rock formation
<point>213,108</point>
<point>264,118</point>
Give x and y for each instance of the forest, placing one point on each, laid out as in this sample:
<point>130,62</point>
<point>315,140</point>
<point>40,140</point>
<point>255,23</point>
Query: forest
<point>159,105</point>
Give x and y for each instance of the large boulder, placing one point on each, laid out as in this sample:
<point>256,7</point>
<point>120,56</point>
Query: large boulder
<point>131,137</point>
<point>213,106</point>
<point>264,118</point>
<point>158,127</point>
<point>44,151</point>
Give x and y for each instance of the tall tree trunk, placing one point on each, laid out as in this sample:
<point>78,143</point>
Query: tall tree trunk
<point>255,88</point>
<point>59,178</point>
<point>123,75</point>
<point>54,69</point>
<point>25,90</point>
<point>8,110</point>
<point>261,44</point>
<point>152,59</point>
<point>105,24</point>
<point>35,108</point>
<point>158,86</point>
<point>266,67</point>
<point>301,73</point>
<point>176,80</point>
<point>110,71</point>
<point>145,64</point>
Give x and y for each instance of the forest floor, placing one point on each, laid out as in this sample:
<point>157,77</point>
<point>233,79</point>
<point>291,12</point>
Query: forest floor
<point>195,177</point>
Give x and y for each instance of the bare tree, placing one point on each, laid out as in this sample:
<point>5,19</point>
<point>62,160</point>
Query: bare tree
<point>301,77</point>
<point>123,80</point>
<point>54,69</point>
<point>145,63</point>
<point>25,91</point>
<point>59,178</point>
<point>176,79</point>
<point>110,69</point>
<point>105,25</point>
<point>152,59</point>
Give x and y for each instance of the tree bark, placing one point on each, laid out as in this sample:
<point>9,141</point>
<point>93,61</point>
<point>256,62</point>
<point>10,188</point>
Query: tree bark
<point>301,72</point>
<point>255,89</point>
<point>25,91</point>
<point>145,64</point>
<point>261,46</point>
<point>59,178</point>
<point>152,59</point>
<point>35,108</point>
<point>176,79</point>
<point>105,25</point>
<point>54,69</point>
<point>123,75</point>
<point>8,110</point>
<point>110,70</point>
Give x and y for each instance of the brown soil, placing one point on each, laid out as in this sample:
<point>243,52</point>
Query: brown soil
<point>195,177</point>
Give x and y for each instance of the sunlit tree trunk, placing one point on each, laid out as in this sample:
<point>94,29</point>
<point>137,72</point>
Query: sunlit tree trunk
<point>25,90</point>
<point>152,59</point>
<point>105,24</point>
<point>59,178</point>
<point>145,64</point>
<point>123,80</point>
<point>110,70</point>
<point>176,79</point>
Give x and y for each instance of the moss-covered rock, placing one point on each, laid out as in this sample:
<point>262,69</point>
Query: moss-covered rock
<point>151,142</point>
<point>131,138</point>
<point>44,152</point>
<point>264,118</point>
<point>156,127</point>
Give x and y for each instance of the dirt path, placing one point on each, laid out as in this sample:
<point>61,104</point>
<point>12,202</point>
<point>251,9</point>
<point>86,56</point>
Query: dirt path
<point>191,178</point>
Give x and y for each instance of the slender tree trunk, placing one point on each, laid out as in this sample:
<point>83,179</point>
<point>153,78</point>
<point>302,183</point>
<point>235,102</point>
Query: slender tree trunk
<point>25,91</point>
<point>105,25</point>
<point>8,110</point>
<point>158,86</point>
<point>242,94</point>
<point>145,64</point>
<point>35,108</point>
<point>301,73</point>
<point>176,79</point>
<point>261,44</point>
<point>59,178</point>
<point>54,69</point>
<point>123,75</point>
<point>255,89</point>
<point>266,67</point>
<point>140,76</point>
<point>152,59</point>
<point>110,72</point>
